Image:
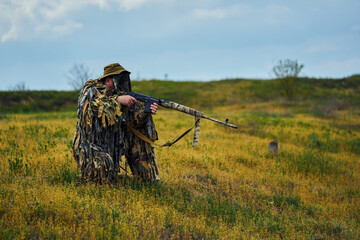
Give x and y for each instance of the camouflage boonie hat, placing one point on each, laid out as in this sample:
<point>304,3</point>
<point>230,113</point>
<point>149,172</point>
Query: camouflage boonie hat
<point>112,69</point>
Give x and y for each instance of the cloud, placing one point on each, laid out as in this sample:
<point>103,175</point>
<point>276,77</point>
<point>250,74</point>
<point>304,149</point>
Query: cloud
<point>205,13</point>
<point>23,19</point>
<point>267,14</point>
<point>322,47</point>
<point>130,4</point>
<point>274,13</point>
<point>65,28</point>
<point>237,10</point>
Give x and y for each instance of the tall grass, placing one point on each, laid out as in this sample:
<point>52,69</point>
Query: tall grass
<point>229,187</point>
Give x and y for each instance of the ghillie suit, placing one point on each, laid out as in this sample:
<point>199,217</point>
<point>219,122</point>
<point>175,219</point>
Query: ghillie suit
<point>102,136</point>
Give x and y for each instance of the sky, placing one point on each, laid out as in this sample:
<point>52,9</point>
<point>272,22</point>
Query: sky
<point>192,40</point>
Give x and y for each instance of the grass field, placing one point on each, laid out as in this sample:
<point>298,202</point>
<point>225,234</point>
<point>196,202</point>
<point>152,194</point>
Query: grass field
<point>229,187</point>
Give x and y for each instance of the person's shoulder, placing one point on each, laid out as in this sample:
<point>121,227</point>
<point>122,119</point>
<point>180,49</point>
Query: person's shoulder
<point>91,83</point>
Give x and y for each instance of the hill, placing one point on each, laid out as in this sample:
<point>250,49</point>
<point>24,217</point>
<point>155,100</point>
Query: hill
<point>338,93</point>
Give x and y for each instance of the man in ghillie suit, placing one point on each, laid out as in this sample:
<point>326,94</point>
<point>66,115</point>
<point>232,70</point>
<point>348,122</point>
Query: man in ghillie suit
<point>104,131</point>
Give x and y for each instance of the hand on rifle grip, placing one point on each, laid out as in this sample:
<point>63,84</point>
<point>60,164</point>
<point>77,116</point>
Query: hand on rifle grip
<point>154,107</point>
<point>126,100</point>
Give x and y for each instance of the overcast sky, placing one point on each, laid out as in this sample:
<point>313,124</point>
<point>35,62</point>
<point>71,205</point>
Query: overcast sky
<point>40,40</point>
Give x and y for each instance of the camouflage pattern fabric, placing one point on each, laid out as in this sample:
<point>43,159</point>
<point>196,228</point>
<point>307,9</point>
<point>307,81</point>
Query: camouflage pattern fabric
<point>102,138</point>
<point>140,155</point>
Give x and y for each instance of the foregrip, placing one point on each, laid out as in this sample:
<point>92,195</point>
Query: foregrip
<point>172,105</point>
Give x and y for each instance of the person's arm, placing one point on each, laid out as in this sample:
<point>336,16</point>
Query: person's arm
<point>128,101</point>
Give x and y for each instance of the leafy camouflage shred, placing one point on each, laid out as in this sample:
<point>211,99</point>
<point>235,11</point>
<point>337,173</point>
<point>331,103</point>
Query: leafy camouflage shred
<point>102,137</point>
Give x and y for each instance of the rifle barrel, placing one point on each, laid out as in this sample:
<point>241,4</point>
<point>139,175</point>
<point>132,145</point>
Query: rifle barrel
<point>221,122</point>
<point>190,111</point>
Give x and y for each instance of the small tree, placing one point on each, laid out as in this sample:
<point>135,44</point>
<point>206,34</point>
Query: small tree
<point>20,86</point>
<point>78,75</point>
<point>287,72</point>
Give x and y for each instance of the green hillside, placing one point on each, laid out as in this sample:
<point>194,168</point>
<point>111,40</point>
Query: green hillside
<point>339,93</point>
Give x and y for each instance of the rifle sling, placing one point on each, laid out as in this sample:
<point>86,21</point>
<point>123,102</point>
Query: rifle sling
<point>168,144</point>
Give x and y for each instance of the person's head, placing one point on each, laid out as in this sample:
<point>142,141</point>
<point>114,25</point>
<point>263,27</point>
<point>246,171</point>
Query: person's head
<point>115,76</point>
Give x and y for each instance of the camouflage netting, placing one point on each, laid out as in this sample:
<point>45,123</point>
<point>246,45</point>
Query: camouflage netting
<point>102,136</point>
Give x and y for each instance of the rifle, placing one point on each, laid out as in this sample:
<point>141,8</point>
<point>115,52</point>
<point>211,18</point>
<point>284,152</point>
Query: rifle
<point>148,101</point>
